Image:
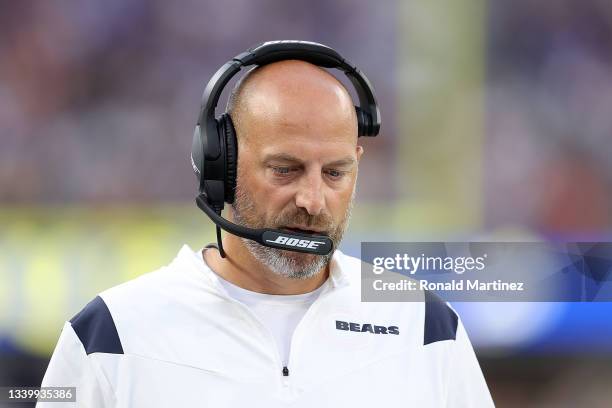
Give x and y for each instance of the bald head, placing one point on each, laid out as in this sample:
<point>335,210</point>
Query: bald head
<point>292,97</point>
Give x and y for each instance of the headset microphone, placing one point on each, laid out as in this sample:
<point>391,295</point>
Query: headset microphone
<point>214,152</point>
<point>313,244</point>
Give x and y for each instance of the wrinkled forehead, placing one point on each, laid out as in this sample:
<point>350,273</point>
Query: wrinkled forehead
<point>304,150</point>
<point>307,132</point>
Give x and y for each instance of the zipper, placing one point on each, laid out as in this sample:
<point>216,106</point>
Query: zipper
<point>263,327</point>
<point>220,291</point>
<point>326,292</point>
<point>285,369</point>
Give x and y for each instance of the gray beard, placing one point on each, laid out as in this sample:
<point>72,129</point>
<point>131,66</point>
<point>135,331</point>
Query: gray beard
<point>284,263</point>
<point>281,264</point>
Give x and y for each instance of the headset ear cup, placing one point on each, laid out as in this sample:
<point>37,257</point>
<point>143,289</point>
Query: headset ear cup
<point>363,122</point>
<point>231,157</point>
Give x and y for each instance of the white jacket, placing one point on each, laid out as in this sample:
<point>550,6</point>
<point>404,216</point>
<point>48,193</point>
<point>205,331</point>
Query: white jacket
<point>171,338</point>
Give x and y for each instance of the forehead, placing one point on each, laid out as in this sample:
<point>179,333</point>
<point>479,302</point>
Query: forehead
<point>305,123</point>
<point>303,134</point>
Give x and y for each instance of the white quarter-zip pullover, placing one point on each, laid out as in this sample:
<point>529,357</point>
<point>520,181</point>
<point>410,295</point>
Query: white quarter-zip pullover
<point>174,338</point>
<point>279,313</point>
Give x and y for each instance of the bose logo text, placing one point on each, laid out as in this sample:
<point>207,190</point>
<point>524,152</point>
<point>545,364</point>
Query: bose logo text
<point>294,242</point>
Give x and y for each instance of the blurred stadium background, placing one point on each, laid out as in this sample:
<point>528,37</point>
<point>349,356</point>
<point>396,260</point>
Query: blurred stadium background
<point>496,125</point>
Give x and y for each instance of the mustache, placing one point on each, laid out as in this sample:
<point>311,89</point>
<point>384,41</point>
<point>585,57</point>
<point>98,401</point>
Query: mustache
<point>300,216</point>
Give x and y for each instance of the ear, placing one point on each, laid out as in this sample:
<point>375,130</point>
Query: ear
<point>358,152</point>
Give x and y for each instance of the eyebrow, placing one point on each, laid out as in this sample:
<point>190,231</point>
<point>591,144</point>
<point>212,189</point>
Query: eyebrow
<point>346,161</point>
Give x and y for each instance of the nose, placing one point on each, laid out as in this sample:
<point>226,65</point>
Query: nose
<point>310,194</point>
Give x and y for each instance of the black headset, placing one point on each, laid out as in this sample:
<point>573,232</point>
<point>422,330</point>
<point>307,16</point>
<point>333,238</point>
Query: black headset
<point>214,152</point>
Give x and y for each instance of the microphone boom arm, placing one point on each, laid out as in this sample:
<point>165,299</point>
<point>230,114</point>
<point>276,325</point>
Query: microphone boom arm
<point>273,238</point>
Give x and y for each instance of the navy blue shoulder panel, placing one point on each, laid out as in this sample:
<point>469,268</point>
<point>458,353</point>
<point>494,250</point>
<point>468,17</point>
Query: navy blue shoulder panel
<point>440,320</point>
<point>96,329</point>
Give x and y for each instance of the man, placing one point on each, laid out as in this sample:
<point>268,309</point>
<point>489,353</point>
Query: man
<point>264,326</point>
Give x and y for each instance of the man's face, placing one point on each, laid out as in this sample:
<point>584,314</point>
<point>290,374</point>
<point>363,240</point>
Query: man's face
<point>297,172</point>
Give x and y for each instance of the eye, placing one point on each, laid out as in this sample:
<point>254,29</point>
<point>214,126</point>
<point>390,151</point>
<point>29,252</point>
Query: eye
<point>335,174</point>
<point>283,172</point>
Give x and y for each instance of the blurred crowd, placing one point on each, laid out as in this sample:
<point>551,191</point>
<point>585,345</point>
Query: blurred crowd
<point>99,99</point>
<point>548,142</point>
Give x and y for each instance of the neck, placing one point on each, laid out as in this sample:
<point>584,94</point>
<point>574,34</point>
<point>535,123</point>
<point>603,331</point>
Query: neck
<point>242,269</point>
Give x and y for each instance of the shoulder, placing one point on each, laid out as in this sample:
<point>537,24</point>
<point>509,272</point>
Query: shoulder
<point>95,328</point>
<point>439,320</point>
<point>118,316</point>
<point>96,324</point>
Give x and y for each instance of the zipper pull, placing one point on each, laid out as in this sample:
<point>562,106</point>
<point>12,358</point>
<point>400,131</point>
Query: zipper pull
<point>285,372</point>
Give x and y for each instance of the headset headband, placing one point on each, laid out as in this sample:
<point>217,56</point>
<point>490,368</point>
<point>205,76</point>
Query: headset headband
<point>273,51</point>
<point>214,151</point>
